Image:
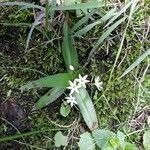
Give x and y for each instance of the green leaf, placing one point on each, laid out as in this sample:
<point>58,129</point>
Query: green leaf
<point>21,135</point>
<point>130,146</point>
<point>118,14</point>
<point>82,21</point>
<point>146,140</point>
<point>49,97</point>
<point>60,140</point>
<point>121,137</point>
<point>28,5</point>
<point>87,108</point>
<point>36,23</point>
<point>86,142</point>
<point>148,121</point>
<point>59,80</point>
<point>103,137</point>
<point>90,26</point>
<point>88,5</point>
<point>64,110</point>
<point>136,63</point>
<point>69,2</point>
<point>33,26</point>
<point>105,35</point>
<point>69,52</point>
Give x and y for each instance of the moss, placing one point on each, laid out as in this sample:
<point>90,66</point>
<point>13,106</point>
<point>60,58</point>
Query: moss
<point>114,110</point>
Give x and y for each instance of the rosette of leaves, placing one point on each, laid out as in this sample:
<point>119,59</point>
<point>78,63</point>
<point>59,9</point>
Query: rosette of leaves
<point>59,82</point>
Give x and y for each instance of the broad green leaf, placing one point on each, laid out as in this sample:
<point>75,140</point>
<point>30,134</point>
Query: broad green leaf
<point>121,137</point>
<point>28,5</point>
<point>60,139</point>
<point>87,108</point>
<point>86,142</point>
<point>146,140</point>
<point>136,63</point>
<point>64,110</point>
<point>88,5</point>
<point>148,121</point>
<point>130,146</point>
<point>49,97</point>
<point>69,52</point>
<point>105,35</point>
<point>103,137</point>
<point>90,26</point>
<point>59,80</point>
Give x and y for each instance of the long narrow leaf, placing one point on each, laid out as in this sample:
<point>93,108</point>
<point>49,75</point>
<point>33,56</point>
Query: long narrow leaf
<point>90,26</point>
<point>82,20</point>
<point>52,12</point>
<point>59,80</point>
<point>28,5</point>
<point>49,97</point>
<point>36,23</point>
<point>133,6</point>
<point>119,13</point>
<point>16,136</point>
<point>88,5</point>
<point>25,25</point>
<point>105,35</point>
<point>30,33</point>
<point>68,49</point>
<point>136,63</point>
<point>87,108</point>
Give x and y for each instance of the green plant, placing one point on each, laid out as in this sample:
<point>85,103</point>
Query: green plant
<point>105,140</point>
<point>60,82</point>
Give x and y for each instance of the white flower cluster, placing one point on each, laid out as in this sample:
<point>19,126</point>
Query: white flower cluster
<point>78,83</point>
<point>74,87</point>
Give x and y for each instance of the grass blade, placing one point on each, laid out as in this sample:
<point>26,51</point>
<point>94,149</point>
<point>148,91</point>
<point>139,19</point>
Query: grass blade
<point>59,80</point>
<point>52,12</point>
<point>36,23</point>
<point>30,33</point>
<point>69,52</point>
<point>133,7</point>
<point>90,26</point>
<point>136,63</point>
<point>82,21</point>
<point>88,5</point>
<point>13,137</point>
<point>27,5</point>
<point>119,13</point>
<point>46,15</point>
<point>105,35</point>
<point>49,97</point>
<point>25,25</point>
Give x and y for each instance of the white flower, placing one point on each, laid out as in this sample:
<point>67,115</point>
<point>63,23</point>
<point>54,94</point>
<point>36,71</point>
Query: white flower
<point>73,87</point>
<point>71,67</point>
<point>82,81</point>
<point>71,100</point>
<point>98,84</point>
